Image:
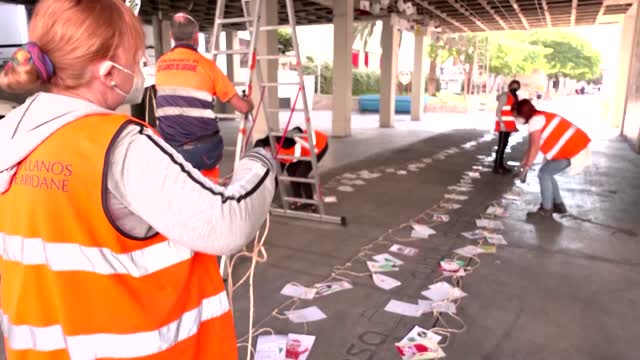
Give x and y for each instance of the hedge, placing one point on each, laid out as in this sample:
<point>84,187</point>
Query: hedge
<point>364,82</point>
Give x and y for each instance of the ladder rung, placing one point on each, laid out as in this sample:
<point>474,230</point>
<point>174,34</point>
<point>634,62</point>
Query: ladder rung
<point>301,200</point>
<point>297,179</point>
<point>291,157</point>
<point>281,84</point>
<point>279,110</point>
<point>232,52</point>
<point>273,27</point>
<point>238,83</point>
<point>235,20</point>
<point>275,57</point>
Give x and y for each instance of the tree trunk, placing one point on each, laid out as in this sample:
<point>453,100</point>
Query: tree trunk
<point>433,78</point>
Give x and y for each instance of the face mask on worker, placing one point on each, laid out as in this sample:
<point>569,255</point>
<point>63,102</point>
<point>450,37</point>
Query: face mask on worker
<point>520,120</point>
<point>137,89</point>
<point>514,90</point>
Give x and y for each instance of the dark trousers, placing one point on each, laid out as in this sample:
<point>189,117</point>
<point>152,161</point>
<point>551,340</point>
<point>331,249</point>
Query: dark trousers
<point>503,142</point>
<point>302,169</point>
<point>204,153</point>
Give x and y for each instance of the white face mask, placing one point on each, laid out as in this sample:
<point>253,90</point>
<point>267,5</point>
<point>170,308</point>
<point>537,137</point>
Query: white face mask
<point>137,89</point>
<point>520,120</point>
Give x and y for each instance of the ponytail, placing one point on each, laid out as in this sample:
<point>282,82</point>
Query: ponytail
<point>27,71</point>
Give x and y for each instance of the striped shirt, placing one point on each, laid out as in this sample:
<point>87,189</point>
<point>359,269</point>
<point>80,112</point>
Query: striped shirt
<point>187,83</point>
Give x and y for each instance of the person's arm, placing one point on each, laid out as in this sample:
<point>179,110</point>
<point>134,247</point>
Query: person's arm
<point>532,150</point>
<point>226,92</point>
<point>155,183</point>
<point>240,104</point>
<point>502,102</point>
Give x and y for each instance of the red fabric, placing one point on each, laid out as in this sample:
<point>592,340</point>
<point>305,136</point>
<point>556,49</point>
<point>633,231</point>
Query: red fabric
<point>355,58</point>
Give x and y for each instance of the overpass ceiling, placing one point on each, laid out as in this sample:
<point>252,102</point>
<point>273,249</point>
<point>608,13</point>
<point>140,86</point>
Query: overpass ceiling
<point>453,15</point>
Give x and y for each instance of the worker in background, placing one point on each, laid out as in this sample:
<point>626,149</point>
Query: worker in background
<point>295,160</point>
<point>187,83</point>
<point>505,125</point>
<point>563,145</point>
<point>90,197</point>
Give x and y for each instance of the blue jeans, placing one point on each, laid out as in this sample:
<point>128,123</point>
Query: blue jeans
<point>203,154</point>
<point>549,190</point>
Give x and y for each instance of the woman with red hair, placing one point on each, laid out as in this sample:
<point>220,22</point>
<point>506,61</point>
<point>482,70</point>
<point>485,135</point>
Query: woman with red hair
<point>109,237</point>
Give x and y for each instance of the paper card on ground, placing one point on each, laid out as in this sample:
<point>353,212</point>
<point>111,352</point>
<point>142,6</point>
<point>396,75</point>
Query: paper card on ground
<point>423,229</point>
<point>298,291</point>
<point>459,273</point>
<point>346,182</point>
<point>443,291</point>
<point>327,288</point>
<point>456,197</point>
<point>474,235</point>
<point>466,181</point>
<point>418,333</point>
<point>330,199</point>
<point>299,346</point>
<point>468,251</point>
<point>441,218</point>
<point>459,188</point>
<point>349,176</point>
<point>488,249</point>
<point>414,169</point>
<point>496,210</point>
<point>404,250</point>
<point>450,206</point>
<point>418,235</point>
<point>511,196</point>
<point>358,182</point>
<point>401,172</point>
<point>271,347</point>
<point>489,224</point>
<point>440,157</point>
<point>390,170</point>
<point>444,307</point>
<point>388,258</point>
<point>495,239</point>
<point>473,174</point>
<point>309,314</point>
<point>385,282</point>
<point>427,160</point>
<point>345,188</point>
<point>403,308</point>
<point>381,266</point>
<point>423,349</point>
<point>425,306</point>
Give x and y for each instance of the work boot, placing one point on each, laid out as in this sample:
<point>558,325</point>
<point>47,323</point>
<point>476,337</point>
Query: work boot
<point>541,213</point>
<point>507,169</point>
<point>560,208</point>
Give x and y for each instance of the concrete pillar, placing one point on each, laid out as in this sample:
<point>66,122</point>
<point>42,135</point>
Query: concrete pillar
<point>418,76</point>
<point>161,35</point>
<point>267,44</point>
<point>631,117</point>
<point>389,75</point>
<point>618,99</point>
<point>342,68</point>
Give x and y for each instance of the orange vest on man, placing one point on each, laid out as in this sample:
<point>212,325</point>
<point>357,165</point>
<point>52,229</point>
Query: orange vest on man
<point>507,116</point>
<point>560,138</point>
<point>75,287</point>
<point>303,147</point>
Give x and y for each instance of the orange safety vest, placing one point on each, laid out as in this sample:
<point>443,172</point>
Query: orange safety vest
<point>303,148</point>
<point>74,286</point>
<point>560,138</point>
<point>507,116</point>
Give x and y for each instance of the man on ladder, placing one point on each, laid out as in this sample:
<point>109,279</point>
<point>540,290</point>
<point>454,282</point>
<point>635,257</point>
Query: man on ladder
<point>187,83</point>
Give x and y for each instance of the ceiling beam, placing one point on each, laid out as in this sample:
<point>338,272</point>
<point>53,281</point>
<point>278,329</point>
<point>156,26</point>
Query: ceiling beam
<point>495,15</point>
<point>574,10</point>
<point>466,12</point>
<point>327,3</point>
<point>522,18</point>
<point>546,13</point>
<point>443,15</point>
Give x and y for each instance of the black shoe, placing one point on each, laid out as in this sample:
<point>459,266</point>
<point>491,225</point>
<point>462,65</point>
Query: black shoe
<point>507,169</point>
<point>541,213</point>
<point>560,208</point>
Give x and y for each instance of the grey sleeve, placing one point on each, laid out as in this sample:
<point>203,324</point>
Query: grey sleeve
<point>502,101</point>
<point>158,185</point>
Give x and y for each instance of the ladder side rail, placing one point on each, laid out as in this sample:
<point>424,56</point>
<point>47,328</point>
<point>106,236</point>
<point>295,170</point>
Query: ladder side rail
<point>307,119</point>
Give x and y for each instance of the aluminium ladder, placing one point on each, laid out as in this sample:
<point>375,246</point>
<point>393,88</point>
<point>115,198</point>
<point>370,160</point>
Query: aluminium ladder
<point>251,20</point>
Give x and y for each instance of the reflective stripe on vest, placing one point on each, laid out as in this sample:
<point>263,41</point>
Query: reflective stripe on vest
<point>560,139</point>
<point>89,347</point>
<point>75,257</point>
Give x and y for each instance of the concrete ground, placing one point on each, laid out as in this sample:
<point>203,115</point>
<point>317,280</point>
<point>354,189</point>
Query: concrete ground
<point>562,289</point>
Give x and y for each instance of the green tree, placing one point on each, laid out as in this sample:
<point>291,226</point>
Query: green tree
<point>570,55</point>
<point>285,41</point>
<point>436,52</point>
<point>465,50</point>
